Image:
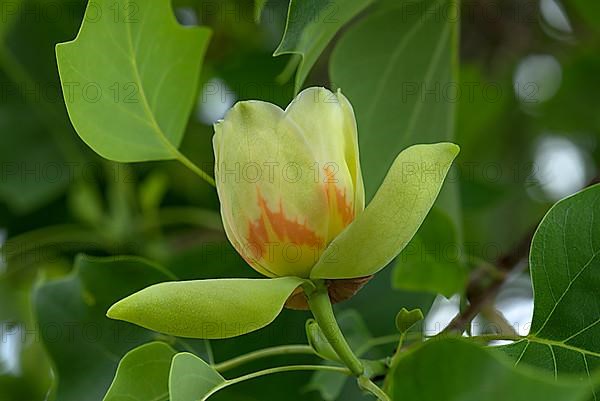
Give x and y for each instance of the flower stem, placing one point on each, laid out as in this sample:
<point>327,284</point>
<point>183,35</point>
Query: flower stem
<point>263,353</point>
<point>320,305</point>
<point>372,388</point>
<point>280,369</point>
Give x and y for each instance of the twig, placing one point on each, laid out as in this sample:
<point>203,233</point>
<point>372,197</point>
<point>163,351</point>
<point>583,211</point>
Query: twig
<point>484,285</point>
<point>495,317</point>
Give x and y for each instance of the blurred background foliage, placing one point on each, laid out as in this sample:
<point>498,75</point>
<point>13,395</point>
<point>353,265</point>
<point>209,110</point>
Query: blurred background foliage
<point>528,129</point>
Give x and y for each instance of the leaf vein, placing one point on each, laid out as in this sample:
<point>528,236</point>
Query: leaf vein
<point>587,264</point>
<point>394,58</point>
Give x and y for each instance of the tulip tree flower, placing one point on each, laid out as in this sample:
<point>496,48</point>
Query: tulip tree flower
<point>293,205</point>
<point>289,181</point>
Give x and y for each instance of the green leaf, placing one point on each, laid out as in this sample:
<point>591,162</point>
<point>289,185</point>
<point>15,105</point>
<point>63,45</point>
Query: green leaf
<point>463,371</point>
<point>191,379</point>
<point>565,270</point>
<point>71,312</point>
<point>310,26</point>
<point>143,374</point>
<point>406,319</point>
<point>399,70</point>
<point>392,218</point>
<point>432,260</point>
<point>130,78</point>
<point>219,308</point>
<point>401,96</point>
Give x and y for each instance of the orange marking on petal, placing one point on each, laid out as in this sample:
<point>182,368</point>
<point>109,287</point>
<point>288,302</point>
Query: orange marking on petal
<point>275,227</point>
<point>341,210</point>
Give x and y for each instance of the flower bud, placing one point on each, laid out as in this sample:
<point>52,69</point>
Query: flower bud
<point>289,181</point>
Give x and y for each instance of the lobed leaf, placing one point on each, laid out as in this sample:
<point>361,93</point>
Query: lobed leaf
<point>130,78</point>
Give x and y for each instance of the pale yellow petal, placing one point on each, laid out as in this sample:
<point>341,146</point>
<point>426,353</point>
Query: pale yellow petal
<point>351,152</point>
<point>271,201</point>
<point>322,120</point>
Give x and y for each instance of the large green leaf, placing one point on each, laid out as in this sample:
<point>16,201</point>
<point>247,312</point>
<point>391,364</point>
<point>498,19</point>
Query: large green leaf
<point>392,218</point>
<point>191,379</point>
<point>565,270</point>
<point>310,26</point>
<point>399,69</point>
<point>143,374</point>
<point>130,78</point>
<point>71,315</point>
<point>219,308</point>
<point>455,370</point>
